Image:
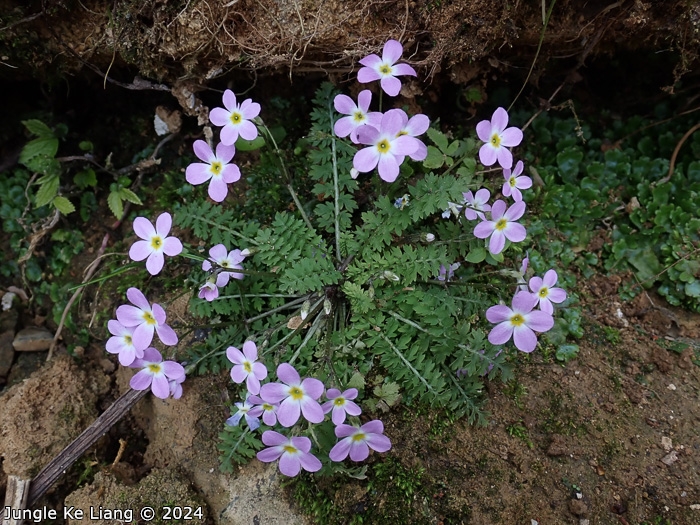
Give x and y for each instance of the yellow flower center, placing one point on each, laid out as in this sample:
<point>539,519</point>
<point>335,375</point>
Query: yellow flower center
<point>544,292</point>
<point>339,401</point>
<point>495,140</point>
<point>517,320</point>
<point>290,449</point>
<point>224,264</point>
<point>385,69</point>
<point>358,116</point>
<point>154,368</point>
<point>501,224</point>
<point>156,242</point>
<point>128,340</point>
<point>360,436</point>
<point>148,317</point>
<point>247,367</point>
<point>236,118</point>
<point>296,393</point>
<point>383,146</point>
<point>267,407</point>
<point>511,181</point>
<point>216,168</point>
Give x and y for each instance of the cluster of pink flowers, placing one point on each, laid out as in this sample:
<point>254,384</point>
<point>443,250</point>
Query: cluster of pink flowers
<point>225,262</point>
<point>284,402</point>
<point>520,320</point>
<point>132,334</point>
<point>217,168</point>
<point>391,136</point>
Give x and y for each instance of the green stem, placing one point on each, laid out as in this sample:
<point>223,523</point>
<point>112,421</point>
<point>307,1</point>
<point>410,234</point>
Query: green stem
<point>335,187</point>
<point>408,322</point>
<point>314,310</point>
<point>408,364</point>
<point>123,269</point>
<point>300,207</point>
<point>275,310</point>
<point>309,335</point>
<point>537,53</point>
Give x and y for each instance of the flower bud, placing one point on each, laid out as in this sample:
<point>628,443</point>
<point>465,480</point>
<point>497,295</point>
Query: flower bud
<point>390,276</point>
<point>427,237</point>
<point>249,251</point>
<point>354,173</point>
<point>327,306</point>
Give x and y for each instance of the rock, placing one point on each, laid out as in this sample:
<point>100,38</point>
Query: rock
<point>33,339</point>
<point>578,508</point>
<point>7,353</point>
<point>667,443</point>
<point>670,458</point>
<point>8,320</point>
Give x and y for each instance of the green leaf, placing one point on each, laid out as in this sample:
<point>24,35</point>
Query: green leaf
<point>115,203</point>
<point>250,145</point>
<point>476,256</point>
<point>63,205</point>
<point>128,195</point>
<point>568,161</point>
<point>38,128</point>
<point>38,147</point>
<point>356,381</point>
<point>47,191</point>
<point>567,352</point>
<point>85,145</point>
<point>85,178</point>
<point>438,138</point>
<point>435,159</point>
<point>389,393</point>
<point>693,289</point>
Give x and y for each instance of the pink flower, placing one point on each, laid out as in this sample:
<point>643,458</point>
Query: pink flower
<point>208,291</point>
<point>294,396</point>
<point>515,182</point>
<point>175,386</point>
<point>501,226</point>
<point>544,292</point>
<point>250,412</point>
<point>359,114</point>
<point>217,169</point>
<point>520,321</point>
<point>122,343</point>
<point>155,242</point>
<point>385,69</point>
<point>447,273</point>
<point>145,320</point>
<point>358,441</point>
<point>156,373</point>
<point>388,148</point>
<point>477,204</point>
<point>224,260</point>
<point>269,411</point>
<point>522,283</point>
<point>413,127</point>
<point>497,139</point>
<point>293,453</point>
<point>341,404</point>
<point>235,119</point>
<point>246,366</point>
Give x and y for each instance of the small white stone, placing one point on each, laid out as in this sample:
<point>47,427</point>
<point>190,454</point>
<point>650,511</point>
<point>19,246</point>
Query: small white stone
<point>666,443</point>
<point>671,386</point>
<point>695,506</point>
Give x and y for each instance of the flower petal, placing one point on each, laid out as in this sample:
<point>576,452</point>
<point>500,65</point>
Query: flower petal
<point>143,228</point>
<point>140,250</point>
<point>524,339</point>
<point>203,151</point>
<point>392,51</point>
<point>155,262</point>
<point>500,333</point>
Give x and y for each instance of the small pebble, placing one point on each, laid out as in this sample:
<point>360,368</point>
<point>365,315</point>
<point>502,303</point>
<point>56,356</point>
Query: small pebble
<point>671,386</point>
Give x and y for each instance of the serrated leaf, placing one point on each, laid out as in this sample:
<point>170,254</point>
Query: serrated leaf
<point>47,191</point>
<point>38,128</point>
<point>114,201</point>
<point>435,159</point>
<point>438,138</point>
<point>389,393</point>
<point>128,195</point>
<point>46,147</point>
<point>85,178</point>
<point>63,205</point>
<point>356,381</point>
<point>476,255</point>
<point>452,148</point>
<point>567,352</point>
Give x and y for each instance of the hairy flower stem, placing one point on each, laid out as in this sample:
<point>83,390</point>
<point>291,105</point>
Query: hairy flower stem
<point>335,187</point>
<point>286,306</point>
<point>123,269</point>
<point>314,310</point>
<point>287,176</point>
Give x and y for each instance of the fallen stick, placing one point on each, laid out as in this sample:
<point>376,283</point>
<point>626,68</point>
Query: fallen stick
<point>63,461</point>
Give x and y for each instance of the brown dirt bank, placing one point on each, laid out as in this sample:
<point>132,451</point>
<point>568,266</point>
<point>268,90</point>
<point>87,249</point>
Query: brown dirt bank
<point>198,40</point>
